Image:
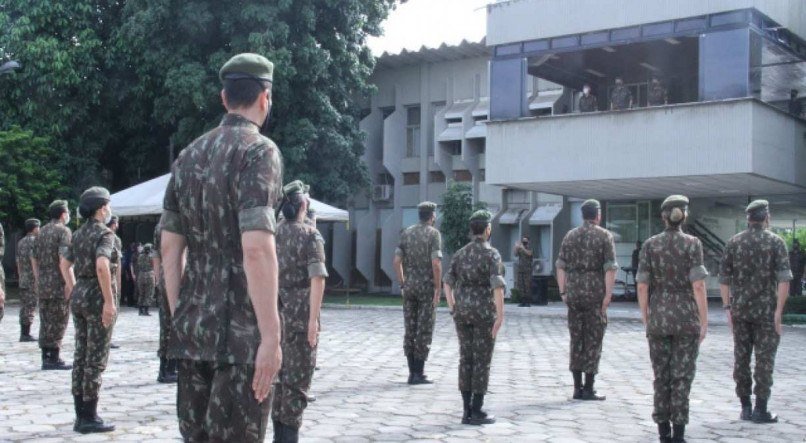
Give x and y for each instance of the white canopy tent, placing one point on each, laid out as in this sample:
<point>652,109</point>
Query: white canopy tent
<point>146,199</point>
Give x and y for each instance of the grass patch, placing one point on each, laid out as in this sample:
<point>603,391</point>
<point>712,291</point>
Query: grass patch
<point>794,319</point>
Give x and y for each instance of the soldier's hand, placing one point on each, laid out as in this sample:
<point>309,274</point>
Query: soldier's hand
<point>703,331</point>
<point>68,290</point>
<point>730,321</point>
<point>313,333</point>
<point>778,322</point>
<point>267,363</point>
<point>108,314</point>
<point>497,327</point>
<point>437,296</point>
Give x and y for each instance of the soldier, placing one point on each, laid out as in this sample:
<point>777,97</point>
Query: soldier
<point>477,305</point>
<point>167,371</point>
<point>587,101</point>
<point>54,280</point>
<point>523,280</point>
<point>586,273</point>
<point>675,314</point>
<point>93,305</point>
<point>301,262</point>
<point>2,273</point>
<point>796,265</point>
<point>658,95</point>
<point>620,96</point>
<point>145,280</point>
<point>25,250</point>
<point>753,278</point>
<point>114,265</point>
<point>418,265</point>
<point>226,329</point>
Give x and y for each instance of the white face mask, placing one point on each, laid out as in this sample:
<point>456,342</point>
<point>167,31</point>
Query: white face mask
<point>140,249</point>
<point>67,219</point>
<point>586,91</point>
<point>108,217</point>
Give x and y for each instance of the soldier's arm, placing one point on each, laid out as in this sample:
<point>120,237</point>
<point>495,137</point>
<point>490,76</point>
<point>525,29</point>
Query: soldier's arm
<point>697,276</point>
<point>559,265</point>
<point>642,281</point>
<point>397,263</point>
<point>66,258</point>
<point>725,273</point>
<point>610,268</point>
<point>103,254</point>
<point>317,272</point>
<point>498,285</point>
<point>784,276</point>
<point>436,264</point>
<point>448,283</point>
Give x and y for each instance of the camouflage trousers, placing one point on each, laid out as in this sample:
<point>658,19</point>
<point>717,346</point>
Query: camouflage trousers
<point>476,345</point>
<point>215,402</point>
<point>674,362</point>
<point>54,313</point>
<point>762,339</point>
<point>294,381</point>
<point>587,329</point>
<point>145,289</point>
<point>523,283</point>
<point>419,315</point>
<point>92,352</point>
<point>28,302</point>
<point>165,322</point>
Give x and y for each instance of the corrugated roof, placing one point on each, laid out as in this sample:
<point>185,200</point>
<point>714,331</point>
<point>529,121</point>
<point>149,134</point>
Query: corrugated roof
<point>444,52</point>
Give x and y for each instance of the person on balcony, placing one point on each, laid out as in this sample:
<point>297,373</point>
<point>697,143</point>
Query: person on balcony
<point>620,97</point>
<point>658,94</point>
<point>587,101</point>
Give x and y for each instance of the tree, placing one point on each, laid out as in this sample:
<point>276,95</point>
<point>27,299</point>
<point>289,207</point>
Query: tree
<point>29,184</point>
<point>457,207</point>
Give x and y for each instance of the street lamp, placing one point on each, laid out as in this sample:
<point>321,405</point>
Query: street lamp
<point>9,67</point>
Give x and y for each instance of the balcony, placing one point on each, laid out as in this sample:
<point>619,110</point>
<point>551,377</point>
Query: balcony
<point>739,147</point>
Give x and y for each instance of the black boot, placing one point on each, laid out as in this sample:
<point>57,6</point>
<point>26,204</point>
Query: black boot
<point>92,423</point>
<point>419,377</point>
<point>467,397</point>
<point>161,373</point>
<point>761,414</point>
<point>747,408</point>
<point>145,309</point>
<point>25,334</point>
<point>140,311</point>
<point>577,385</point>
<point>665,432</point>
<point>410,361</point>
<point>78,403</point>
<point>477,416</point>
<point>170,371</point>
<point>278,431</point>
<point>52,362</point>
<point>587,391</point>
<point>290,435</point>
<point>679,433</point>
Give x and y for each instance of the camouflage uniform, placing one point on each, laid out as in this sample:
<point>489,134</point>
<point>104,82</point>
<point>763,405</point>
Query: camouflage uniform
<point>91,241</point>
<point>523,281</point>
<point>25,249</point>
<point>586,254</point>
<point>796,265</point>
<point>52,243</point>
<point>669,263</point>
<point>755,261</point>
<point>223,184</point>
<point>2,271</point>
<point>300,257</point>
<point>588,103</point>
<point>419,245</point>
<point>114,267</point>
<point>145,280</point>
<point>657,96</point>
<point>620,97</point>
<point>162,299</point>
<point>475,271</point>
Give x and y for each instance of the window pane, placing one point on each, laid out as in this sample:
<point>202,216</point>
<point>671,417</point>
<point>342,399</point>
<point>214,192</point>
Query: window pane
<point>621,220</point>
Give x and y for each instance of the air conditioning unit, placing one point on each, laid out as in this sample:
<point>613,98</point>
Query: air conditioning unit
<point>381,193</point>
<point>542,267</point>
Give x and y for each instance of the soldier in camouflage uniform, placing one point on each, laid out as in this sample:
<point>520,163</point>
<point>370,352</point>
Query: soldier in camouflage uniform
<point>754,278</point>
<point>657,95</point>
<point>474,288</point>
<point>2,273</point>
<point>418,265</point>
<point>796,265</point>
<point>54,281</point>
<point>93,305</point>
<point>672,299</point>
<point>587,101</point>
<point>523,276</point>
<point>145,280</point>
<point>218,206</point>
<point>586,272</point>
<point>115,264</point>
<point>301,261</point>
<point>620,96</point>
<point>167,371</point>
<point>28,299</point>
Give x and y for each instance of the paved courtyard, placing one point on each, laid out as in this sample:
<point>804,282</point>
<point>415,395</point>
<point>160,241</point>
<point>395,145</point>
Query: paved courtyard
<point>362,395</point>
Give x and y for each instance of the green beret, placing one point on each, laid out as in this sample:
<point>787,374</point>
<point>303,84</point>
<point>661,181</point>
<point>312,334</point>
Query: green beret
<point>247,65</point>
<point>58,204</point>
<point>94,193</point>
<point>591,203</point>
<point>427,206</point>
<point>757,205</point>
<point>295,187</point>
<point>306,189</point>
<point>674,201</point>
<point>482,215</point>
<point>32,223</point>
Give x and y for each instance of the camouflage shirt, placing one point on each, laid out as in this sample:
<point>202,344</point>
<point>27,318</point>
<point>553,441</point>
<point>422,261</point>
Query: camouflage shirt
<point>620,97</point>
<point>586,254</point>
<point>117,255</point>
<point>419,245</point>
<point>90,242</point>
<point>754,262</point>
<point>52,242</point>
<point>2,253</point>
<point>588,103</point>
<point>475,271</point>
<point>524,260</point>
<point>25,250</point>
<point>657,96</point>
<point>156,253</point>
<point>225,183</point>
<point>144,263</point>
<point>300,257</point>
<point>669,263</point>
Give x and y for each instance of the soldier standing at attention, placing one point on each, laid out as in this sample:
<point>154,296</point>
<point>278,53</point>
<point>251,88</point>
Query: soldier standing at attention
<point>587,101</point>
<point>145,280</point>
<point>523,281</point>
<point>753,278</point>
<point>167,371</point>
<point>796,265</point>
<point>586,273</point>
<point>54,280</point>
<point>94,307</point>
<point>301,261</point>
<point>658,95</point>
<point>418,265</point>
<point>218,206</point>
<point>2,273</point>
<point>474,288</point>
<point>114,265</point>
<point>620,96</point>
<point>25,250</point>
<point>675,315</point>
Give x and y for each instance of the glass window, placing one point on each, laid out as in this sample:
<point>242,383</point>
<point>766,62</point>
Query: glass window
<point>462,176</point>
<point>436,177</point>
<point>622,220</point>
<point>411,178</point>
<point>413,131</point>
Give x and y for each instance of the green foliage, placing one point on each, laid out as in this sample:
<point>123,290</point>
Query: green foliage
<point>457,207</point>
<point>29,184</point>
<point>786,234</point>
<point>794,319</point>
<point>795,305</point>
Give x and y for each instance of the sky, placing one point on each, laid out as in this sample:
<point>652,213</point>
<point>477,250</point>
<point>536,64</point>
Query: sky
<point>431,23</point>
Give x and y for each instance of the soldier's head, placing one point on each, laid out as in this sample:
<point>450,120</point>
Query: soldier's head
<point>480,224</point>
<point>655,81</point>
<point>94,204</point>
<point>638,244</point>
<point>59,211</point>
<point>525,240</point>
<point>247,80</point>
<point>758,212</point>
<point>619,81</point>
<point>592,211</point>
<point>674,210</point>
<point>113,223</point>
<point>148,247</point>
<point>32,226</point>
<point>586,88</point>
<point>427,212</point>
<point>295,201</point>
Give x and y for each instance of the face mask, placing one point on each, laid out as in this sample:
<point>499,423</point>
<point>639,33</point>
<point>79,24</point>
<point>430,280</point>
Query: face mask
<point>586,91</point>
<point>67,219</point>
<point>140,249</point>
<point>108,217</point>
